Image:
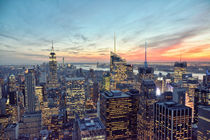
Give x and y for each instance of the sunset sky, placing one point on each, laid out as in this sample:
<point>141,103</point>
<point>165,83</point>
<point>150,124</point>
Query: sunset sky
<point>83,30</point>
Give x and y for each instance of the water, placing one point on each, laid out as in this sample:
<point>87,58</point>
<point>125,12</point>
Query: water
<point>94,66</point>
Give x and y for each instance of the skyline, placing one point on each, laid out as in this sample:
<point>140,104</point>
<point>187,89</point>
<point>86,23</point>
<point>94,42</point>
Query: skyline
<point>84,31</point>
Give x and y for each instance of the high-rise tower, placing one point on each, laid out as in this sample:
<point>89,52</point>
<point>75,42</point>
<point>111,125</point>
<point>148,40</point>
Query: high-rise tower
<point>53,81</point>
<point>145,62</point>
<point>145,72</point>
<point>120,71</point>
<point>145,117</point>
<point>172,121</point>
<point>30,90</point>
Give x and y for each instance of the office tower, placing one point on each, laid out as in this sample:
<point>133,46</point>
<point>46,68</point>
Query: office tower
<point>75,97</point>
<point>191,84</point>
<point>117,70</point>
<point>1,95</point>
<point>168,96</point>
<point>145,116</point>
<point>63,64</point>
<point>124,87</point>
<point>106,81</point>
<point>95,92</point>
<point>30,124</point>
<point>115,111</point>
<point>203,123</point>
<point>135,98</point>
<point>179,69</point>
<point>206,79</point>
<point>12,90</point>
<point>179,94</point>
<point>50,108</point>
<point>120,71</point>
<point>172,121</point>
<point>3,106</point>
<point>10,132</point>
<point>30,90</point>
<point>202,97</point>
<point>160,84</point>
<point>53,80</point>
<point>90,128</point>
<point>145,72</point>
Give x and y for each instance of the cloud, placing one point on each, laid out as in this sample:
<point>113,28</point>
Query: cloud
<point>7,51</point>
<point>33,55</point>
<point>102,50</point>
<point>9,37</point>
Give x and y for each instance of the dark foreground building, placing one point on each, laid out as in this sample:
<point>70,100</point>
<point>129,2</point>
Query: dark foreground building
<point>172,121</point>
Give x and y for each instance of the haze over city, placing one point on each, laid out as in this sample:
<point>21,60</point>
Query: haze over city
<point>83,31</point>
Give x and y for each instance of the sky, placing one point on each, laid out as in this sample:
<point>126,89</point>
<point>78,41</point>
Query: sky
<point>83,30</point>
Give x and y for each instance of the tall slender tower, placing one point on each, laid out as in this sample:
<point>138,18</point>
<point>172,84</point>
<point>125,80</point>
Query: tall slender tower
<point>30,90</point>
<point>53,81</point>
<point>114,43</point>
<point>145,62</point>
<point>63,61</point>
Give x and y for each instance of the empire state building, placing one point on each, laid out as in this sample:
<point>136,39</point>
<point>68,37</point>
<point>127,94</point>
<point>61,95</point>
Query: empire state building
<point>53,81</point>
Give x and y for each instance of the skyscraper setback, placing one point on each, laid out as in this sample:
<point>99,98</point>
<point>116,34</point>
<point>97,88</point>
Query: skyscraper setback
<point>53,80</point>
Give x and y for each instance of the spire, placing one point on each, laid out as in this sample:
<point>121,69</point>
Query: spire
<point>63,61</point>
<point>145,62</point>
<point>52,50</point>
<point>114,43</point>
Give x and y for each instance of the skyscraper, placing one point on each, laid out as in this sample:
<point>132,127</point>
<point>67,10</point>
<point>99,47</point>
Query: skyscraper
<point>120,71</point>
<point>75,98</point>
<point>191,84</point>
<point>115,110</point>
<point>30,90</point>
<point>172,121</point>
<point>92,129</point>
<point>203,123</point>
<point>12,90</point>
<point>180,68</point>
<point>53,80</point>
<point>145,116</point>
<point>145,72</point>
<point>106,81</point>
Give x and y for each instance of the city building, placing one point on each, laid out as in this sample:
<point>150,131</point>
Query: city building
<point>11,131</point>
<point>53,79</point>
<point>90,128</point>
<point>180,68</point>
<point>120,71</point>
<point>145,72</point>
<point>202,97</point>
<point>203,123</point>
<point>179,94</point>
<point>145,117</point>
<point>75,97</point>
<point>12,90</point>
<point>115,113</point>
<point>106,81</point>
<point>172,121</point>
<point>135,99</point>
<point>30,125</point>
<point>191,84</point>
<point>30,90</point>
<point>206,79</point>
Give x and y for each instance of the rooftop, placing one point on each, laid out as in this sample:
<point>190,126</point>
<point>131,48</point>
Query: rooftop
<point>74,78</point>
<point>173,105</point>
<point>114,94</point>
<point>88,124</point>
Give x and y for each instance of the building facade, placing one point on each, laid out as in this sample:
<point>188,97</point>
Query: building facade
<point>172,121</point>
